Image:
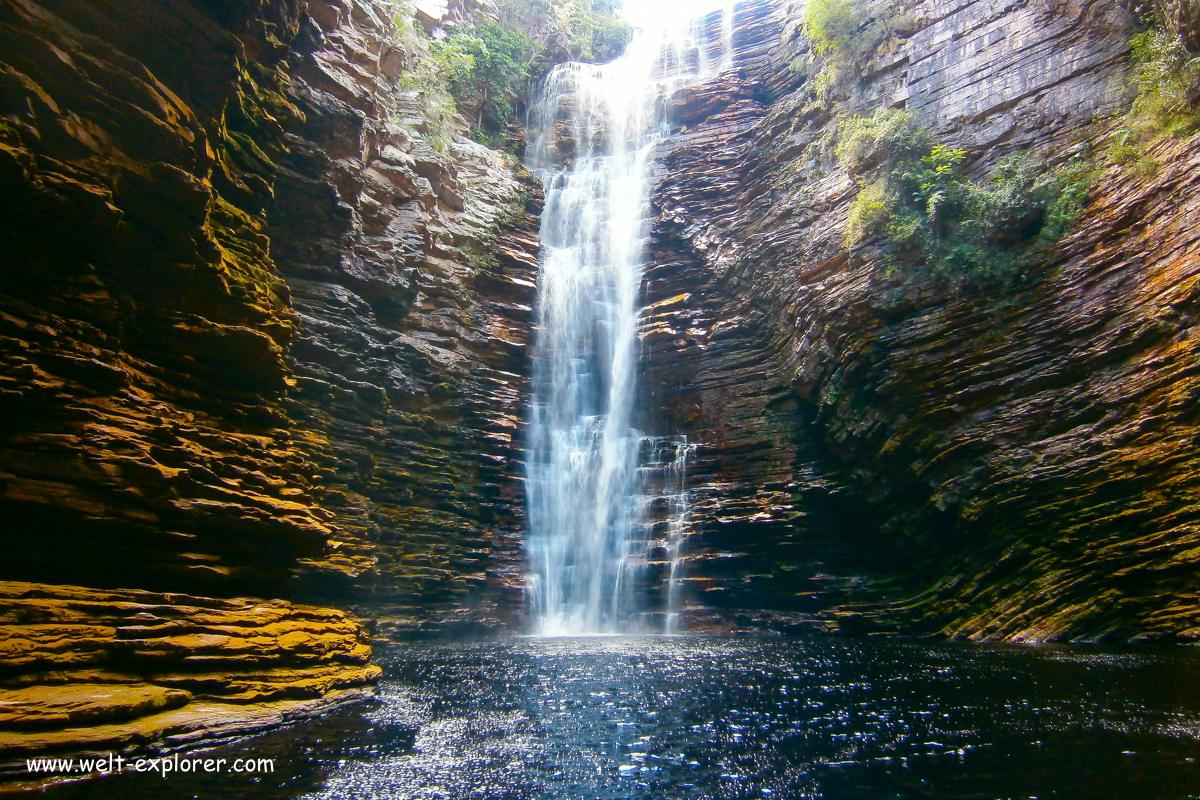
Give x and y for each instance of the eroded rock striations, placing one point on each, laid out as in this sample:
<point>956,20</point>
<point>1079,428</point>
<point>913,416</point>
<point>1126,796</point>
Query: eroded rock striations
<point>144,327</point>
<point>413,271</point>
<point>880,449</point>
<point>100,671</point>
<point>257,339</point>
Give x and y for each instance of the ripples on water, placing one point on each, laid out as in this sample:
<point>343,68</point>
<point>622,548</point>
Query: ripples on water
<point>695,717</point>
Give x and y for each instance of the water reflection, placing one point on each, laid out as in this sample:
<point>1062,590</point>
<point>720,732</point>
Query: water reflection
<point>694,717</point>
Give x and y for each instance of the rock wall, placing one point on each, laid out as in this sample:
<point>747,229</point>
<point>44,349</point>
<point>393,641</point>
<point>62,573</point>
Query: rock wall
<point>881,450</point>
<point>413,271</point>
<point>263,334</point>
<point>100,671</point>
<point>145,330</point>
<point>258,338</point>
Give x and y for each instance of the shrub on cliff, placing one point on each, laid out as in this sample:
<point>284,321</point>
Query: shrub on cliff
<point>888,135</point>
<point>484,67</point>
<point>482,70</point>
<point>843,35</point>
<point>833,25</point>
<point>914,194</point>
<point>1167,79</point>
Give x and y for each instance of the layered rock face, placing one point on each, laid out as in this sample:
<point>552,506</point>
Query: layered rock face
<point>413,272</point>
<point>711,346</point>
<point>256,339</point>
<point>144,337</point>
<point>100,671</point>
<point>144,328</point>
<point>879,448</point>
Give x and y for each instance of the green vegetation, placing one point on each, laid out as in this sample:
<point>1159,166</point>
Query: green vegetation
<point>846,30</point>
<point>843,35</point>
<point>1167,79</point>
<point>833,25</point>
<point>427,80</point>
<point>913,193</point>
<point>891,134</point>
<point>485,68</point>
<point>568,30</point>
<point>482,71</point>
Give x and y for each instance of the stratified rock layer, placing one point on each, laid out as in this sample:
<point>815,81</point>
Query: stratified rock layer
<point>257,338</point>
<point>144,329</point>
<point>264,331</point>
<point>177,416</point>
<point>413,271</point>
<point>89,670</point>
<point>881,450</point>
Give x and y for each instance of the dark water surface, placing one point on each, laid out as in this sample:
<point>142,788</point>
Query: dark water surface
<point>723,717</point>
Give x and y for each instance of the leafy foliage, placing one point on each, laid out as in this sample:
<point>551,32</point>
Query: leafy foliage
<point>576,30</point>
<point>832,25</point>
<point>1167,79</point>
<point>427,79</point>
<point>482,70</point>
<point>890,134</point>
<point>843,35</point>
<point>914,194</point>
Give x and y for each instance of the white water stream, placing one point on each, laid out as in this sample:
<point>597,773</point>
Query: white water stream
<point>596,131</point>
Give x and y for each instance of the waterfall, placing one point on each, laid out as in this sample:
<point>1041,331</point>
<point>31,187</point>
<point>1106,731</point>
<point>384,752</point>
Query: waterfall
<point>595,130</point>
<point>727,35</point>
<point>677,520</point>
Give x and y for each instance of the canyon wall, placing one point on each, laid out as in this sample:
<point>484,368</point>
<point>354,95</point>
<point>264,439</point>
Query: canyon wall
<point>881,450</point>
<point>264,333</point>
<point>258,337</point>
<point>412,271</point>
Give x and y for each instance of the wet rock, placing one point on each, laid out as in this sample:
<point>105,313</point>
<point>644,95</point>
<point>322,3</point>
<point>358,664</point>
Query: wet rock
<point>83,704</point>
<point>144,329</point>
<point>879,451</point>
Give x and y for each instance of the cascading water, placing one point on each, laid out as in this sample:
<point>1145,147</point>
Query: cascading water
<point>676,516</point>
<point>597,127</point>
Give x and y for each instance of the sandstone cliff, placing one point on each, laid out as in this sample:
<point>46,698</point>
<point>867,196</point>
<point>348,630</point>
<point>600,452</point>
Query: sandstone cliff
<point>1008,464</point>
<point>260,339</point>
<point>102,671</point>
<point>263,335</point>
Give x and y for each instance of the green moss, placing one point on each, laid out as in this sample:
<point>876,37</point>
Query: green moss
<point>870,212</point>
<point>481,258</point>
